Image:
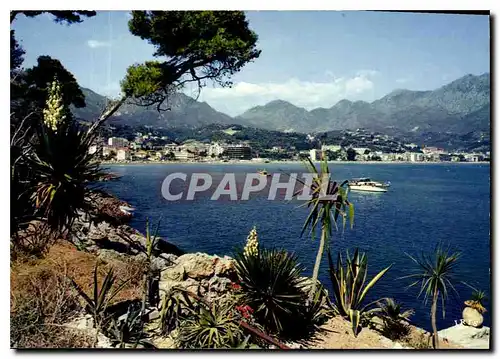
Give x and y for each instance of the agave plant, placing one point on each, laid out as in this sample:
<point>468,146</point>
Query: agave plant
<point>215,327</point>
<point>271,284</point>
<point>394,318</point>
<point>174,305</point>
<point>435,275</point>
<point>349,289</point>
<point>129,329</point>
<point>328,201</point>
<point>101,298</point>
<point>477,300</point>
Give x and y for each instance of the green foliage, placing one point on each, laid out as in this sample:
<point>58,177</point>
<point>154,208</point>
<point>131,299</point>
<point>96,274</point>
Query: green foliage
<point>62,171</point>
<point>214,327</point>
<point>394,319</point>
<point>322,208</point>
<point>349,289</point>
<point>129,329</point>
<point>142,79</point>
<point>174,305</point>
<point>272,286</point>
<point>351,154</point>
<point>39,77</point>
<point>246,345</point>
<point>16,53</point>
<point>101,297</point>
<point>435,273</point>
<point>479,296</point>
<point>197,45</point>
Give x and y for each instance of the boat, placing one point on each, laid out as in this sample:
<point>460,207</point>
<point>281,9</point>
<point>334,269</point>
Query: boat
<point>368,185</point>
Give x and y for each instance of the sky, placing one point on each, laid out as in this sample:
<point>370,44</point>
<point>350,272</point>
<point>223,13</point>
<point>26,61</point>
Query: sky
<point>309,58</point>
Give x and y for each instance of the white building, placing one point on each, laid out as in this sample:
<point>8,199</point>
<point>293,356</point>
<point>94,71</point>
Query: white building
<point>117,142</point>
<point>332,148</point>
<point>216,149</point>
<point>361,150</point>
<point>122,154</point>
<point>184,155</point>
<point>315,155</point>
<point>416,157</point>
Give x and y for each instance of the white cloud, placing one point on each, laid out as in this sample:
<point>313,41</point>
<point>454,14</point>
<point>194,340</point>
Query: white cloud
<point>93,44</point>
<point>307,94</point>
<point>404,80</point>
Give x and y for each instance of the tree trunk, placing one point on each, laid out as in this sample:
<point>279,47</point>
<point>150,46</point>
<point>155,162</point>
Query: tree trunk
<point>435,339</point>
<point>107,113</point>
<point>317,263</point>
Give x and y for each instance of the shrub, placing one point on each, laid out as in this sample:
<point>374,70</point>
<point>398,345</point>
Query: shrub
<point>42,300</point>
<point>213,327</point>
<point>349,288</point>
<point>272,286</point>
<point>394,319</point>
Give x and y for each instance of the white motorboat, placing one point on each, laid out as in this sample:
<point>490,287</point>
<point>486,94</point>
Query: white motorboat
<point>367,185</point>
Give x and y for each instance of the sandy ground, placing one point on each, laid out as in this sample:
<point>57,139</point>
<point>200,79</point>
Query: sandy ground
<point>337,334</point>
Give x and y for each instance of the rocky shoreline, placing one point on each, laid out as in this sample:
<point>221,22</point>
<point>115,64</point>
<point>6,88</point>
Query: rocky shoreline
<point>105,234</point>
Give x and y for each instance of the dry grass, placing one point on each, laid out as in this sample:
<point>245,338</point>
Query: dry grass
<point>42,298</point>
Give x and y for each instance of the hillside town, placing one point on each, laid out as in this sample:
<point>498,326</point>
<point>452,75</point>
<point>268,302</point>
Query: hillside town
<point>356,145</point>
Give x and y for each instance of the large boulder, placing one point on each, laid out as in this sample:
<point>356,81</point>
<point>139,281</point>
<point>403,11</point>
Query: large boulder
<point>467,336</point>
<point>199,273</point>
<point>472,317</point>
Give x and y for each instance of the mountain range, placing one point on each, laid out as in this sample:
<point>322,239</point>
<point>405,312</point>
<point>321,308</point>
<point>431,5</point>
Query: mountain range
<point>459,107</point>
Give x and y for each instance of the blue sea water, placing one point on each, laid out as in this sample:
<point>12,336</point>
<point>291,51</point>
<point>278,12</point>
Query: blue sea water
<point>426,204</point>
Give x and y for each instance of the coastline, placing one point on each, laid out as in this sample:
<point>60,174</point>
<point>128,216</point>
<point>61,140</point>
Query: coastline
<point>243,162</point>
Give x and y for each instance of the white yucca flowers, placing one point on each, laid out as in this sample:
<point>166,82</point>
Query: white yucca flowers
<point>252,246</point>
<point>53,113</point>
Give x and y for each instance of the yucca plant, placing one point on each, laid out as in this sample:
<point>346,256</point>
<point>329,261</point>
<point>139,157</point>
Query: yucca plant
<point>271,284</point>
<point>61,164</point>
<point>325,210</point>
<point>349,289</point>
<point>101,297</point>
<point>394,318</point>
<point>434,273</point>
<point>213,327</point>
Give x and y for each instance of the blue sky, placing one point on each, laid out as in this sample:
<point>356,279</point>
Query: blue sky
<point>310,58</point>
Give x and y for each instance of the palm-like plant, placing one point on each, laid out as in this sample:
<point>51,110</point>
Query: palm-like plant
<point>349,289</point>
<point>325,210</point>
<point>271,284</point>
<point>435,275</point>
<point>395,319</point>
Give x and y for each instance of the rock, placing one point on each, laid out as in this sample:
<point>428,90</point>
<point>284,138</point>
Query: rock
<point>472,317</point>
<point>224,266</point>
<point>189,284</point>
<point>197,265</point>
<point>85,322</point>
<point>467,336</point>
<point>168,342</point>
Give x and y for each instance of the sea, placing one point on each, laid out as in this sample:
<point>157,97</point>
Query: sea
<point>426,205</point>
